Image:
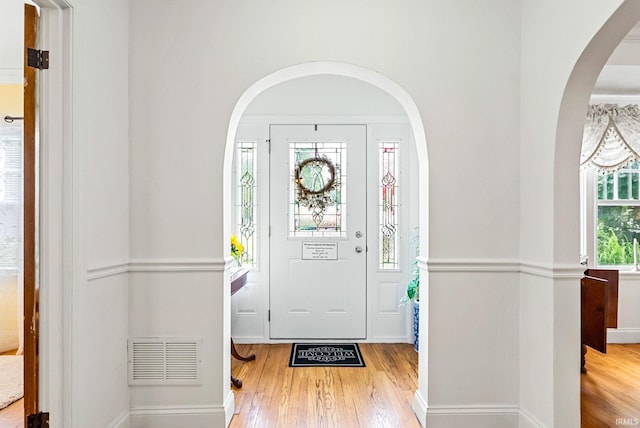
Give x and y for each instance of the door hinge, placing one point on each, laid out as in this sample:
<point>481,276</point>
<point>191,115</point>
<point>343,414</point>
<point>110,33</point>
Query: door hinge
<point>38,59</point>
<point>269,231</point>
<point>269,143</point>
<point>269,315</point>
<point>38,420</point>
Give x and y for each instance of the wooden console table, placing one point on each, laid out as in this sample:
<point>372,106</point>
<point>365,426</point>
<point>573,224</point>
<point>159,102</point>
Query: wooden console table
<point>238,280</point>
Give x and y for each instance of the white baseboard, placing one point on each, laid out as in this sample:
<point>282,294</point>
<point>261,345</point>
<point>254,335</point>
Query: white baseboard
<point>527,420</point>
<point>229,408</point>
<point>251,340</point>
<point>390,339</point>
<point>179,416</point>
<point>420,408</point>
<point>197,416</point>
<point>623,335</point>
<point>121,422</point>
<point>507,416</point>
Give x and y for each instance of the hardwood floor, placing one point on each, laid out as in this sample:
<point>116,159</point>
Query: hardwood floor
<point>275,395</point>
<point>610,390</point>
<point>381,394</point>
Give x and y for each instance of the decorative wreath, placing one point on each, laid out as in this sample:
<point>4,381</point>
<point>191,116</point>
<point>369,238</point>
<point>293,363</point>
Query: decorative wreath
<point>316,199</point>
<point>312,163</point>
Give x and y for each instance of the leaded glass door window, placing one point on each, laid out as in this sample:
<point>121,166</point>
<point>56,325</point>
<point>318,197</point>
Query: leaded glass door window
<point>317,202</point>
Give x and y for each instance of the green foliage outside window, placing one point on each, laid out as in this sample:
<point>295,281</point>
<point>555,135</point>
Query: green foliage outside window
<point>618,215</point>
<point>617,228</point>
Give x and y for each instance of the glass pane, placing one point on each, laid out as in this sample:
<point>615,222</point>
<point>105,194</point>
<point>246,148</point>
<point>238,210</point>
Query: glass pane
<point>624,185</point>
<point>610,191</point>
<point>246,201</point>
<point>617,228</point>
<point>388,206</point>
<point>317,200</point>
<point>602,187</point>
<point>605,186</point>
<point>621,185</point>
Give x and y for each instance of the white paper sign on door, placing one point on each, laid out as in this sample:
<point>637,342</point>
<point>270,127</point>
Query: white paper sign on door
<point>319,251</point>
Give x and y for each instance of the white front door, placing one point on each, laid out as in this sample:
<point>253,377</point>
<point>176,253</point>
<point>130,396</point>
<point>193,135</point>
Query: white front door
<point>318,232</point>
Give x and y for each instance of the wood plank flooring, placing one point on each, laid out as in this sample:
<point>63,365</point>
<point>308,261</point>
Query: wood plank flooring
<point>381,394</point>
<point>610,390</point>
<point>276,395</point>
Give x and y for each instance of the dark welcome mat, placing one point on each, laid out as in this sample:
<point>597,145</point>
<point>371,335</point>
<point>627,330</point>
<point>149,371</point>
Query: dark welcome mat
<point>325,354</point>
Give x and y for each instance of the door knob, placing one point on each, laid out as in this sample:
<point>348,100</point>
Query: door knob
<point>358,234</point>
<point>358,249</point>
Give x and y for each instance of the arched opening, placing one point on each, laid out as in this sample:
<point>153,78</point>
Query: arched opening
<point>569,133</point>
<point>363,75</point>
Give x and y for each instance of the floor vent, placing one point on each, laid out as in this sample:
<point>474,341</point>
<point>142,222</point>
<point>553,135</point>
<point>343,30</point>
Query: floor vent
<point>164,360</point>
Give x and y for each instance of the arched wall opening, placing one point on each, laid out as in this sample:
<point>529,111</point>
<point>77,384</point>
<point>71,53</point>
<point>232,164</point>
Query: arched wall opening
<point>415,123</point>
<point>568,143</point>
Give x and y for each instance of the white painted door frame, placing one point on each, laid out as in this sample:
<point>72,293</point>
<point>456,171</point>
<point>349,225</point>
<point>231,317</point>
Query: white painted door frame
<point>387,321</point>
<point>318,280</point>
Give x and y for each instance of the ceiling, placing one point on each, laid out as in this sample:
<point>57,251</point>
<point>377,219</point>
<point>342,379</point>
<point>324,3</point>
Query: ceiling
<point>620,77</point>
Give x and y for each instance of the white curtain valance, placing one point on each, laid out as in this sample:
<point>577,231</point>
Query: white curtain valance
<point>611,137</point>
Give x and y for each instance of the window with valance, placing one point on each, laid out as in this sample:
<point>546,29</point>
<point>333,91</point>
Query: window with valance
<point>611,137</point>
<point>611,148</point>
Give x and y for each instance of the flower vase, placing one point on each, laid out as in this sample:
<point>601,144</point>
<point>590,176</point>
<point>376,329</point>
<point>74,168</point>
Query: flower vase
<point>416,324</point>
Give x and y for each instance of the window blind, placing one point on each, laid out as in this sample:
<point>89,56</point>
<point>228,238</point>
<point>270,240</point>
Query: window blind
<point>10,194</point>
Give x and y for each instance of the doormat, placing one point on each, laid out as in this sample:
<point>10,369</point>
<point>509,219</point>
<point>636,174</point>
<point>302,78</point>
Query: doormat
<point>325,355</point>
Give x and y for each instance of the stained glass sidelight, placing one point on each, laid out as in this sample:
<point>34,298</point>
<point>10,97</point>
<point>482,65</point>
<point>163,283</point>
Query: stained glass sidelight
<point>317,203</point>
<point>246,168</point>
<point>388,205</point>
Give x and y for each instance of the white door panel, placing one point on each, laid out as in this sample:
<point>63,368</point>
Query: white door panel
<point>317,258</point>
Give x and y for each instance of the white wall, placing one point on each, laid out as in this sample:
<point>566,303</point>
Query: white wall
<point>490,90</point>
<point>91,162</point>
<point>324,95</point>
<point>628,330</point>
<point>11,42</point>
<point>556,84</point>
<point>467,90</point>
<point>95,155</point>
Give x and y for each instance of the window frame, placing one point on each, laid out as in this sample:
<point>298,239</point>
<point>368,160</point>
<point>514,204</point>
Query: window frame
<point>589,204</point>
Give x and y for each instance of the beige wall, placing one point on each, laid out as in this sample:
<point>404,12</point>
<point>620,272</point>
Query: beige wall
<point>11,100</point>
<point>10,105</point>
<point>8,313</point>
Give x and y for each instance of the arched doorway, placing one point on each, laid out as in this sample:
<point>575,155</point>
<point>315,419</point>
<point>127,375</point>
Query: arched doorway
<point>568,141</point>
<point>371,78</point>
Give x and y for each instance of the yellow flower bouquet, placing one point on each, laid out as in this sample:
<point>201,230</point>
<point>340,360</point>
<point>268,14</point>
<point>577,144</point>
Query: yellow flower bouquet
<point>237,249</point>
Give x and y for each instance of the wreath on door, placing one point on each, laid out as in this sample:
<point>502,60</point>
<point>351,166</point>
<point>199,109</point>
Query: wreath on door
<point>316,182</point>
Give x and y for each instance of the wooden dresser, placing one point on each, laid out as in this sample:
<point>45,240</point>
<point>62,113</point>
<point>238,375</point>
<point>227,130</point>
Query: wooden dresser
<point>599,308</point>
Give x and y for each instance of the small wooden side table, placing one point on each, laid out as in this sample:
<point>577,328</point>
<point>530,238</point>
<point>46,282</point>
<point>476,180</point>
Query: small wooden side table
<point>238,280</point>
